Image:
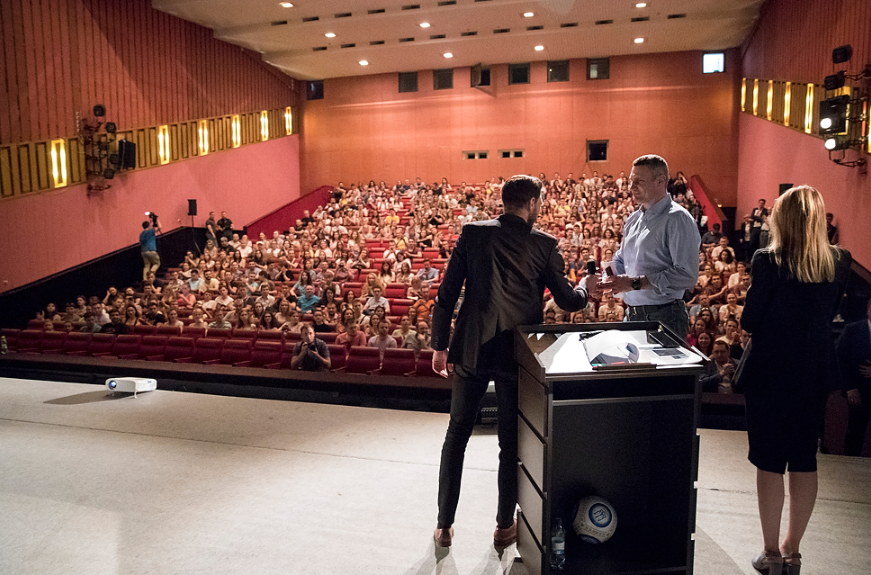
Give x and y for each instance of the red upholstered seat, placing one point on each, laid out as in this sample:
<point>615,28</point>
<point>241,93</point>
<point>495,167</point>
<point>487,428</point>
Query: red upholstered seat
<point>76,343</point>
<point>292,337</point>
<point>356,286</point>
<point>36,324</point>
<point>152,345</point>
<point>400,306</point>
<point>29,340</point>
<point>265,353</point>
<point>395,291</point>
<point>245,333</point>
<point>423,365</point>
<point>328,336</point>
<point>144,329</point>
<point>397,361</point>
<point>338,355</point>
<point>52,342</point>
<point>207,349</point>
<point>270,335</point>
<point>213,332</point>
<point>126,346</point>
<point>177,348</point>
<point>235,351</point>
<point>363,360</point>
<point>101,344</point>
<point>169,330</point>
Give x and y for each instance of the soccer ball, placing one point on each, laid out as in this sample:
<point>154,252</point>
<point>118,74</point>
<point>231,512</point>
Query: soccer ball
<point>595,520</point>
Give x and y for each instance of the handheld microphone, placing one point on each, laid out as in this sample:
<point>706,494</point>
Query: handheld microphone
<point>591,268</point>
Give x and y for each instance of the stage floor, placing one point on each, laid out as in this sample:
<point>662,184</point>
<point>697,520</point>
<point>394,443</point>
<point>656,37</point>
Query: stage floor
<point>180,483</point>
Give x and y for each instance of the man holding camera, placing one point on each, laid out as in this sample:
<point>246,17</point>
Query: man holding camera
<point>148,246</point>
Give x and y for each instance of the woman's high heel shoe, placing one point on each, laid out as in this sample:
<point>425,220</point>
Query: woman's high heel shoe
<point>768,563</point>
<point>792,564</point>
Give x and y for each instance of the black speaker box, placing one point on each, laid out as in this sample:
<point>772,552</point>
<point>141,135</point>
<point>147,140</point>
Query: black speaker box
<point>192,207</point>
<point>127,152</point>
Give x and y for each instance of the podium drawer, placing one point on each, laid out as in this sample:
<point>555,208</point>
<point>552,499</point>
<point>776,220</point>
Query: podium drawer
<point>528,547</point>
<point>532,402</point>
<point>531,452</point>
<point>531,502</point>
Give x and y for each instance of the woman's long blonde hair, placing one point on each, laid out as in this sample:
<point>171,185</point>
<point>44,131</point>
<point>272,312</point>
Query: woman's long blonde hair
<point>798,236</point>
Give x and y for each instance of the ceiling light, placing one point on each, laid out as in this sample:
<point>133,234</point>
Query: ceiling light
<point>528,14</point>
<point>285,5</point>
<point>330,34</point>
<point>539,48</point>
<point>641,5</point>
<point>448,55</point>
<point>639,40</point>
<point>424,24</point>
<point>364,62</point>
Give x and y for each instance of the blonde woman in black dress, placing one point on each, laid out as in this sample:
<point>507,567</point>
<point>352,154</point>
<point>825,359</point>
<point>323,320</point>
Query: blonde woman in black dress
<point>797,285</point>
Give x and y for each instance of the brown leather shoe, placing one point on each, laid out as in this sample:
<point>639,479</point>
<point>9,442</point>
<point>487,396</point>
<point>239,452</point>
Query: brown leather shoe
<point>503,537</point>
<point>443,537</point>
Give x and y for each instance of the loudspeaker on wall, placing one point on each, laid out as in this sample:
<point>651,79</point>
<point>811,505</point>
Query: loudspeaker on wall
<point>192,207</point>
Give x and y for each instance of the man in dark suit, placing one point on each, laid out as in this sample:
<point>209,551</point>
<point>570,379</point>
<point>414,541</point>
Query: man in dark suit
<point>758,217</point>
<point>505,265</point>
<point>854,352</point>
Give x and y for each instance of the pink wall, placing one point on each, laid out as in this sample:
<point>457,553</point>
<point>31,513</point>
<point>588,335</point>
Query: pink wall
<point>653,103</point>
<point>285,217</point>
<point>770,154</point>
<point>52,231</point>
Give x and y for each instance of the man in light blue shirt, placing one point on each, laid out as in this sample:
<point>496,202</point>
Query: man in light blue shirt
<point>659,257</point>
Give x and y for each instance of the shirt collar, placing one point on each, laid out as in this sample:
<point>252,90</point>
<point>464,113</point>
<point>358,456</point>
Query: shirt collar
<point>659,207</point>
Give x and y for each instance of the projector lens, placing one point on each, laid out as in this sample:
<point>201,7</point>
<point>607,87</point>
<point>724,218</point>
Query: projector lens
<point>113,384</point>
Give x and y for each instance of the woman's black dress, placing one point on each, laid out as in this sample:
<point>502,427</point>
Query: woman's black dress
<point>791,364</point>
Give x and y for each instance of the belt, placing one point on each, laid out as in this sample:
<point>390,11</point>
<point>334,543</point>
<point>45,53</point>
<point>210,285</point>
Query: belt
<point>653,308</point>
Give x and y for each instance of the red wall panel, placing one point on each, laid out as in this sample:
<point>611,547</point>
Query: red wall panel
<point>659,103</point>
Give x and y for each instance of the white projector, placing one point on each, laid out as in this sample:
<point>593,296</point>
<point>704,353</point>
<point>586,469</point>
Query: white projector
<point>130,384</point>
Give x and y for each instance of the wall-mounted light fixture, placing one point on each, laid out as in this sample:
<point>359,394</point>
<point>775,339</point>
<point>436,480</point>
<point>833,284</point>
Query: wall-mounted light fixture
<point>755,97</point>
<point>163,144</point>
<point>744,95</point>
<point>770,106</point>
<point>264,125</point>
<point>236,129</point>
<point>59,163</point>
<point>809,109</point>
<point>787,101</point>
<point>288,120</point>
<point>203,137</point>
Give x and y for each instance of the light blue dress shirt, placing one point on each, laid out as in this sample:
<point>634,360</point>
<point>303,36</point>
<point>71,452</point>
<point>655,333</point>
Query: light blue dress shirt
<point>661,243</point>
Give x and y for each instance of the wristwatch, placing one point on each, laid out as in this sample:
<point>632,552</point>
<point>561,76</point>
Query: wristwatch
<point>636,283</point>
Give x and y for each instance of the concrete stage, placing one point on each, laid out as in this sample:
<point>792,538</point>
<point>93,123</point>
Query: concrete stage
<point>177,483</point>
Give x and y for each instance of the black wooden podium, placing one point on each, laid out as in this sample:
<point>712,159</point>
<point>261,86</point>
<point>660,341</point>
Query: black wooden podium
<point>628,435</point>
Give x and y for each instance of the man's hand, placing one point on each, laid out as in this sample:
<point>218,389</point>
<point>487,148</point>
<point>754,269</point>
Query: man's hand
<point>854,398</point>
<point>865,370</point>
<point>592,285</point>
<point>729,369</point>
<point>618,284</point>
<point>440,363</point>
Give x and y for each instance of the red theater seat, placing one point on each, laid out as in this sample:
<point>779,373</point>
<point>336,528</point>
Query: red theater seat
<point>144,330</point>
<point>152,345</point>
<point>423,365</point>
<point>170,331</point>
<point>235,351</point>
<point>127,346</point>
<point>101,344</point>
<point>176,348</point>
<point>400,307</point>
<point>264,354</point>
<point>52,342</point>
<point>395,291</point>
<point>338,355</point>
<point>397,362</point>
<point>213,332</point>
<point>363,360</point>
<point>328,337</point>
<point>208,349</point>
<point>269,335</point>
<point>77,342</point>
<point>30,339</point>
<point>245,334</point>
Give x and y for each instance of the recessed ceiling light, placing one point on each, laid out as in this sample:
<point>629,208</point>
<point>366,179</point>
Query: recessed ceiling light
<point>539,48</point>
<point>364,62</point>
<point>448,55</point>
<point>285,5</point>
<point>639,40</point>
<point>424,24</point>
<point>641,5</point>
<point>528,14</point>
<point>330,34</point>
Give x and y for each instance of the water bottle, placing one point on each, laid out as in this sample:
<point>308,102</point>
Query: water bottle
<point>558,546</point>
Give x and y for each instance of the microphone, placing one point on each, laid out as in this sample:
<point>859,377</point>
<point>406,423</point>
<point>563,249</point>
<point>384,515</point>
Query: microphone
<point>591,268</point>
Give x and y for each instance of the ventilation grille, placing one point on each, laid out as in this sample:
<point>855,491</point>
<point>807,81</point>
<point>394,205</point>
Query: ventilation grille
<point>311,19</point>
<point>376,43</point>
<point>343,15</point>
<point>319,48</point>
<point>675,16</point>
<point>501,30</point>
<point>468,33</point>
<point>279,23</point>
<point>406,39</point>
<point>530,28</point>
<point>411,7</point>
<point>601,22</point>
<point>348,45</point>
<point>641,19</point>
<point>569,25</point>
<point>437,37</point>
<point>448,3</point>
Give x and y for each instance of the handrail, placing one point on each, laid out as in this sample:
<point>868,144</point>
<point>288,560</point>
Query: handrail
<point>284,217</point>
<point>710,208</point>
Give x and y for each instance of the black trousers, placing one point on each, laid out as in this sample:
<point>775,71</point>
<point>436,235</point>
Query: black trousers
<point>468,390</point>
<point>857,425</point>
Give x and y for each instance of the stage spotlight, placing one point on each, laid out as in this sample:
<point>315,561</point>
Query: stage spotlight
<point>99,110</point>
<point>842,54</point>
<point>833,115</point>
<point>111,128</point>
<point>837,143</point>
<point>108,173</point>
<point>835,81</point>
<point>115,159</point>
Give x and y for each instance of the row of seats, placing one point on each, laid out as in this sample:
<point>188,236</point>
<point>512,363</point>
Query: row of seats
<point>238,352</point>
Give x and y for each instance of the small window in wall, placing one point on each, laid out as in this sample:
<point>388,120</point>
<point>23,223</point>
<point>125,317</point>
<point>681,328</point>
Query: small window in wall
<point>518,73</point>
<point>597,150</point>
<point>712,63</point>
<point>505,153</point>
<point>476,155</point>
<point>408,81</point>
<point>511,153</point>
<point>598,69</point>
<point>558,71</point>
<point>443,79</point>
<point>315,90</point>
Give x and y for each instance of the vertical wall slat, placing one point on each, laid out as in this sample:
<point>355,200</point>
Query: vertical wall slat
<point>8,125</point>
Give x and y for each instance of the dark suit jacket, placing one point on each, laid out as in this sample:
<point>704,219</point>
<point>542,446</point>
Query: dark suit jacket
<point>792,352</point>
<point>506,265</point>
<point>854,349</point>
